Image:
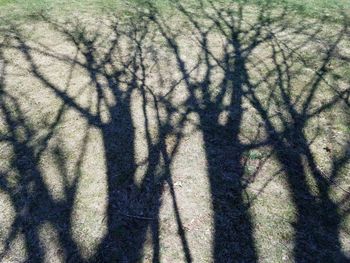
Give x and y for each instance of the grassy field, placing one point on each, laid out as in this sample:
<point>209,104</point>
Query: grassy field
<point>325,9</point>
<point>174,131</point>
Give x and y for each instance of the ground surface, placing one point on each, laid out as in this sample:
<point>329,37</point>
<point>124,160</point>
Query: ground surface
<point>216,131</point>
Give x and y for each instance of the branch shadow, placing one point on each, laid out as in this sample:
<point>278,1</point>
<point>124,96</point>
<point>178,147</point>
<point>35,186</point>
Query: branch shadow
<point>121,71</point>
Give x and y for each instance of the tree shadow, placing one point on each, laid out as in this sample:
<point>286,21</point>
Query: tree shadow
<point>317,236</point>
<point>32,201</point>
<point>233,231</point>
<point>120,70</point>
<point>133,209</point>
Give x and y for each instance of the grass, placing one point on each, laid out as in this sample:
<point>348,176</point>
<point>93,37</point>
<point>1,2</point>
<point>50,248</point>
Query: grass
<point>330,10</point>
<point>172,133</point>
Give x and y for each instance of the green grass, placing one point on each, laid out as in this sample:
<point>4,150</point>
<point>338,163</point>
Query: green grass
<point>326,9</point>
<point>330,10</point>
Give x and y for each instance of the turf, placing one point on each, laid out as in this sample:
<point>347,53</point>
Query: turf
<point>196,131</point>
<point>325,9</point>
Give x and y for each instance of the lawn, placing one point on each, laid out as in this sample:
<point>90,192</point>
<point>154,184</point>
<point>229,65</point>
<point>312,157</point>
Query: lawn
<point>174,131</point>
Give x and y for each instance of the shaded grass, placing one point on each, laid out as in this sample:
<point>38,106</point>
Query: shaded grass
<point>274,228</point>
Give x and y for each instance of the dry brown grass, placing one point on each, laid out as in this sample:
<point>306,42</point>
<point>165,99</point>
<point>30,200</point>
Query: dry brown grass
<point>116,145</point>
